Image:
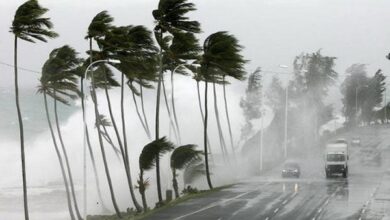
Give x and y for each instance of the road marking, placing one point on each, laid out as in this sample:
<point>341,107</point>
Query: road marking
<point>267,218</point>
<point>276,210</point>
<point>218,203</point>
<point>319,210</point>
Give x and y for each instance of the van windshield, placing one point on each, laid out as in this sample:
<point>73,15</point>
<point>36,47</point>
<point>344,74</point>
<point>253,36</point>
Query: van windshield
<point>335,157</point>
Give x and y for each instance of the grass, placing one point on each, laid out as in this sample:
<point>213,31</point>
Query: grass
<point>133,216</point>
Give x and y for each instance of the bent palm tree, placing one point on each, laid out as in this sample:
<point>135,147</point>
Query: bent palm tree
<point>148,159</point>
<point>97,29</point>
<point>180,158</point>
<point>28,25</point>
<point>134,47</point>
<point>220,55</point>
<point>58,81</point>
<point>170,16</point>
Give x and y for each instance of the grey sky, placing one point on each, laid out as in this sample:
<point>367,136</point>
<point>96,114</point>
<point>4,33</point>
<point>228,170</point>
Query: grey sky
<point>272,31</point>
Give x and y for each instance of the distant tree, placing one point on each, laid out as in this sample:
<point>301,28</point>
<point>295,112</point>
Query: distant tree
<point>313,75</point>
<point>28,25</point>
<point>251,103</point>
<point>373,96</point>
<point>353,85</point>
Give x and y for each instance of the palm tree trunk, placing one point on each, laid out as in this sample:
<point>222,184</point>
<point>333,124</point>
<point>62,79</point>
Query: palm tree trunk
<point>228,118</point>
<point>142,189</point>
<point>21,131</point>
<point>65,179</point>
<point>143,109</point>
<point>108,176</point>
<point>157,124</point>
<point>174,183</point>
<point>205,138</point>
<point>112,118</point>
<point>169,112</point>
<point>202,115</point>
<point>90,149</point>
<point>127,162</point>
<point>174,108</point>
<point>108,139</point>
<point>139,115</point>
<point>76,207</point>
<point>220,133</point>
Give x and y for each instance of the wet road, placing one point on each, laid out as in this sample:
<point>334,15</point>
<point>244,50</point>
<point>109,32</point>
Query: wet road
<point>310,197</point>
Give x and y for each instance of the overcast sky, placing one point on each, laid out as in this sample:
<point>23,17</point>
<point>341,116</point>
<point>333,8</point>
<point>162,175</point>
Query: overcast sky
<point>273,32</point>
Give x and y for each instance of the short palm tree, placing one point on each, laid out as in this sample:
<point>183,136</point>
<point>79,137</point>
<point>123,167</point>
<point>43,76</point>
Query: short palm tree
<point>170,16</point>
<point>60,82</point>
<point>180,158</point>
<point>220,55</point>
<point>28,25</point>
<point>148,159</point>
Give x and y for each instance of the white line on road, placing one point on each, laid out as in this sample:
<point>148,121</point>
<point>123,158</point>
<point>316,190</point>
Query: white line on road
<point>276,210</point>
<point>217,204</point>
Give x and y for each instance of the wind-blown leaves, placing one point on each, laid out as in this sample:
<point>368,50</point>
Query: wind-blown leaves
<point>151,151</point>
<point>59,74</point>
<point>29,25</point>
<point>184,155</point>
<point>222,57</point>
<point>99,25</point>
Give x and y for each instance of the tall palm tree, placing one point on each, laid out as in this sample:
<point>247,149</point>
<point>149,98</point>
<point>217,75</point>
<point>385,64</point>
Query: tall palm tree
<point>180,158</point>
<point>134,47</point>
<point>184,48</point>
<point>97,29</point>
<point>59,82</point>
<point>221,54</point>
<point>62,66</point>
<point>29,25</point>
<point>148,159</point>
<point>170,17</point>
<point>239,75</point>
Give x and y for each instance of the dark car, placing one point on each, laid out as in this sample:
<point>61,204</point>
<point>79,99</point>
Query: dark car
<point>291,169</point>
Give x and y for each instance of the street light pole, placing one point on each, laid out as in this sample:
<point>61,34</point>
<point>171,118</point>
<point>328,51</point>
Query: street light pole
<point>285,123</point>
<point>85,133</point>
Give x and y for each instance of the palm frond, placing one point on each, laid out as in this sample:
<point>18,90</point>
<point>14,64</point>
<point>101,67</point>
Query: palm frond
<point>151,151</point>
<point>99,25</point>
<point>193,170</point>
<point>183,155</point>
<point>29,25</point>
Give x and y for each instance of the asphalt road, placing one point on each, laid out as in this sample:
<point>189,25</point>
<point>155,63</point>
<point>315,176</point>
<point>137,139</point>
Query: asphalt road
<point>310,197</point>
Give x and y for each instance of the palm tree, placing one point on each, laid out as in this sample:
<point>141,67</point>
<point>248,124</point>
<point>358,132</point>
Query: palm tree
<point>239,75</point>
<point>62,67</point>
<point>134,47</point>
<point>148,159</point>
<point>58,81</point>
<point>97,29</point>
<point>185,47</point>
<point>28,25</point>
<point>180,158</point>
<point>170,17</point>
<point>220,54</point>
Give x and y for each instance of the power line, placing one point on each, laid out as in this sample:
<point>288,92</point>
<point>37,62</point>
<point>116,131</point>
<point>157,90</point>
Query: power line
<point>20,68</point>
